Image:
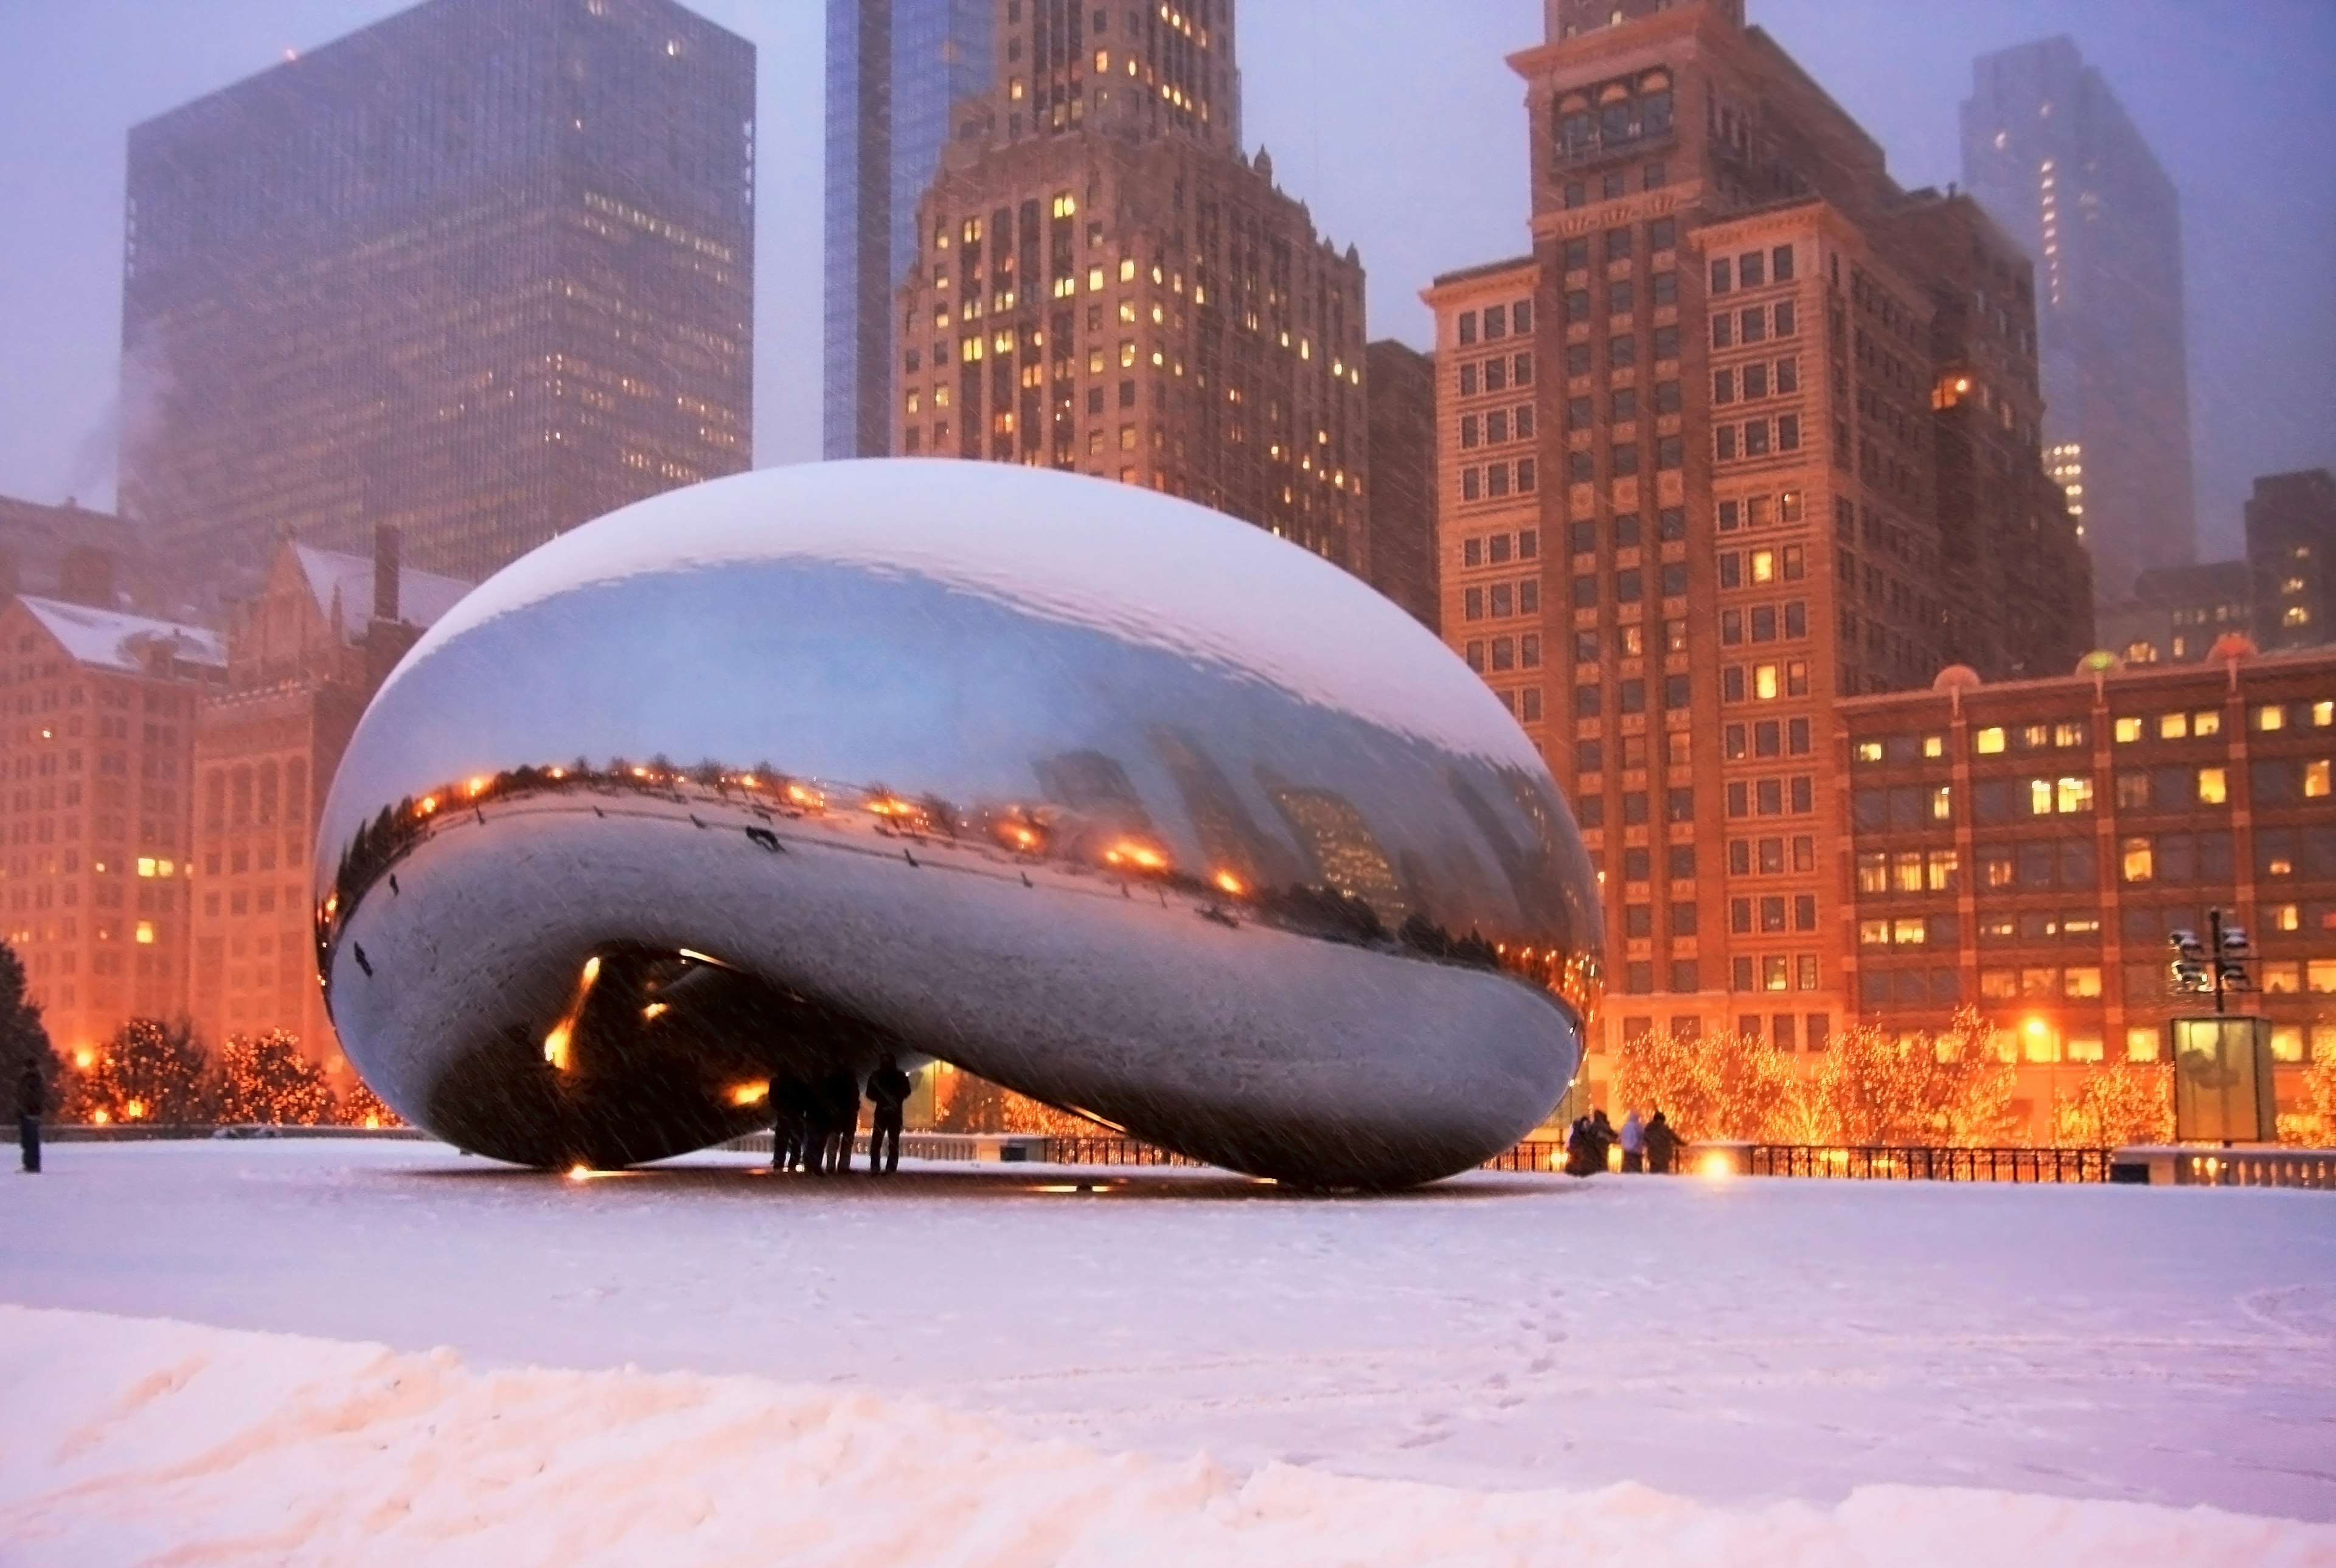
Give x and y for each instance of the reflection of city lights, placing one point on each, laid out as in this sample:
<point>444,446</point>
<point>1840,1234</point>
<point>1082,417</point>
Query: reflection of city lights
<point>559,773</point>
<point>890,806</point>
<point>655,1011</point>
<point>809,799</point>
<point>429,804</point>
<point>101,1116</point>
<point>1142,857</point>
<point>579,1174</point>
<point>478,785</point>
<point>750,1094</point>
<point>557,1044</point>
<point>1230,883</point>
<point>84,1060</point>
<point>134,1110</point>
<point>372,1123</point>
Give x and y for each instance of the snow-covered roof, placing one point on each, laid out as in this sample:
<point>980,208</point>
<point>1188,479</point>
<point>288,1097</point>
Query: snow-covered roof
<point>422,597</point>
<point>110,640</point>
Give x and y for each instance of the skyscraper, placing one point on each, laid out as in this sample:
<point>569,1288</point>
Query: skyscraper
<point>1105,283</point>
<point>2292,553</point>
<point>482,271</point>
<point>2053,156</point>
<point>1750,431</point>
<point>896,69</point>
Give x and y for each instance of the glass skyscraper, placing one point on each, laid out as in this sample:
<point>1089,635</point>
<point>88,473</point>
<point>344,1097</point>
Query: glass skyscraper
<point>895,69</point>
<point>483,271</point>
<point>2053,156</point>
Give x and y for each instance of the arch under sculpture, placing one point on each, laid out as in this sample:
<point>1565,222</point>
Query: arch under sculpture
<point>1131,807</point>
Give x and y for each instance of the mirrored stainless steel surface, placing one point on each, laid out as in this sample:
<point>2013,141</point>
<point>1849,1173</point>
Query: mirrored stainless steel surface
<point>1120,802</point>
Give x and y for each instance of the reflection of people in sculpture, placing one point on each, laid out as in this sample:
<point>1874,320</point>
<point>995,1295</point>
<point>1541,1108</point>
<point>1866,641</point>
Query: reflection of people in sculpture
<point>888,1086</point>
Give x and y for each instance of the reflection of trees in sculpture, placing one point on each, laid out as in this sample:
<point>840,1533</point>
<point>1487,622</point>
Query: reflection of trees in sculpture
<point>969,1103</point>
<point>1093,821</point>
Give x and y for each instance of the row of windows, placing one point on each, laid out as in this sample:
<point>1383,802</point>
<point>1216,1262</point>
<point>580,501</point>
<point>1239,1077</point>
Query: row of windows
<point>1992,740</point>
<point>1628,531</point>
<point>1764,623</point>
<point>1497,374</point>
<point>1622,352</point>
<point>1752,270</point>
<point>1613,185</point>
<point>1498,550</point>
<point>1622,406</point>
<point>1756,381</point>
<point>1498,321</point>
<point>1623,461</point>
<point>1772,798</point>
<point>1622,298</point>
<point>1495,481</point>
<point>1764,682</point>
<point>1639,863</point>
<point>1630,696</point>
<point>1500,426</point>
<point>1621,245</point>
<point>1629,584</point>
<point>1766,915</point>
<point>1523,705</point>
<point>1500,600</point>
<point>1757,568</point>
<point>1772,857</point>
<point>1756,438</point>
<point>1767,737</point>
<point>1774,972</point>
<point>1679,806</point>
<point>1630,642</point>
<point>1754,324</point>
<point>1507,653</point>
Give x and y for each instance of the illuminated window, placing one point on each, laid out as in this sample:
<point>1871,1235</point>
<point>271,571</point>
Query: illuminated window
<point>2141,1045</point>
<point>1869,751</point>
<point>2206,723</point>
<point>1999,985</point>
<point>1908,870</point>
<point>1941,871</point>
<point>2287,1043</point>
<point>1127,271</point>
<point>2270,717</point>
<point>1935,745</point>
<point>2214,786</point>
<point>2280,979</point>
<point>2137,863</point>
<point>2039,797</point>
<point>2083,983</point>
<point>145,934</point>
<point>1943,804</point>
<point>2315,778</point>
<point>2085,1048</point>
<point>2323,714</point>
<point>2074,794</point>
<point>2072,735</point>
<point>1988,741</point>
<point>1873,874</point>
<point>2128,730</point>
<point>1909,933</point>
<point>2320,976</point>
<point>1874,933</point>
<point>1764,683</point>
<point>2174,726</point>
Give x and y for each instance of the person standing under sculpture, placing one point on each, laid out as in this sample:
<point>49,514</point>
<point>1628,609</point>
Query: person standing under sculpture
<point>888,1087</point>
<point>1663,1145</point>
<point>1634,1143</point>
<point>32,1101</point>
<point>840,1109</point>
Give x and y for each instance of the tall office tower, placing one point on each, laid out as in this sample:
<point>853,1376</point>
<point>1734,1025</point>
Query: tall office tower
<point>1402,511</point>
<point>2292,552</point>
<point>896,69</point>
<point>1104,284</point>
<point>482,272</point>
<point>1693,451</point>
<point>2052,155</point>
<point>96,816</point>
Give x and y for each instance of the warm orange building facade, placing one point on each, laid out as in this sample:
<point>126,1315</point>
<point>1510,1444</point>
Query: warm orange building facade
<point>302,658</point>
<point>1105,285</point>
<point>2028,848</point>
<point>1691,490</point>
<point>100,715</point>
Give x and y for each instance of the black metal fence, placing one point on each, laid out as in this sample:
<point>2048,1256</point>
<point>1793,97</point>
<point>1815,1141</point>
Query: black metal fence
<point>1109,1152</point>
<point>1927,1164</point>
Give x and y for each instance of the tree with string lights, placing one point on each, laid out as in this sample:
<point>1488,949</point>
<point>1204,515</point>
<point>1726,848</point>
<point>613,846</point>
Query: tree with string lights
<point>1876,1088</point>
<point>265,1079</point>
<point>150,1073</point>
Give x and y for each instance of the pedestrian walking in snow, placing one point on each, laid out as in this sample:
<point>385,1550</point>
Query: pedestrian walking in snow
<point>32,1104</point>
<point>1663,1145</point>
<point>1634,1143</point>
<point>888,1087</point>
<point>790,1124</point>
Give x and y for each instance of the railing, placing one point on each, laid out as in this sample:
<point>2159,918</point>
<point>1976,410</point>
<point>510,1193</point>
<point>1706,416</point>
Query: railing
<point>2251,1168</point>
<point>1927,1164</point>
<point>1530,1155</point>
<point>1110,1151</point>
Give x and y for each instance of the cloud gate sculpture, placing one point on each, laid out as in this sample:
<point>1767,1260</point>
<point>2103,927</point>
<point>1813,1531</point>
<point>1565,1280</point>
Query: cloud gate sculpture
<point>1111,799</point>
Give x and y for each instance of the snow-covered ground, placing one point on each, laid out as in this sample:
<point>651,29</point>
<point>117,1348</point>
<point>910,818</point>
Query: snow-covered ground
<point>995,1366</point>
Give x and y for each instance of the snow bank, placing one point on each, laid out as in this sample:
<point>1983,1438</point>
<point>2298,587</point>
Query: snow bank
<point>132,1440</point>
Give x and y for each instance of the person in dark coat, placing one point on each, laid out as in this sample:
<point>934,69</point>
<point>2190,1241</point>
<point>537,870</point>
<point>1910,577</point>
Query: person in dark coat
<point>888,1087</point>
<point>1580,1142</point>
<point>788,1125</point>
<point>31,1102</point>
<point>1663,1145</point>
<point>839,1094</point>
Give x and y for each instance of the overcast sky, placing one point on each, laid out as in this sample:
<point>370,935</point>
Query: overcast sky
<point>1398,120</point>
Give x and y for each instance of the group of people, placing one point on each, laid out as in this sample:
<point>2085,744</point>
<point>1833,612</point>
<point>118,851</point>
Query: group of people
<point>1651,1145</point>
<point>812,1123</point>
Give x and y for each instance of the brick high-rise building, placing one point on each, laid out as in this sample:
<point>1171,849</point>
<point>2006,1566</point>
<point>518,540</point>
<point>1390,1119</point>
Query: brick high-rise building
<point>1401,382</point>
<point>1737,441</point>
<point>1105,285</point>
<point>482,271</point>
<point>2052,155</point>
<point>97,726</point>
<point>2028,848</point>
<point>896,69</point>
<point>304,656</point>
<point>2291,552</point>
